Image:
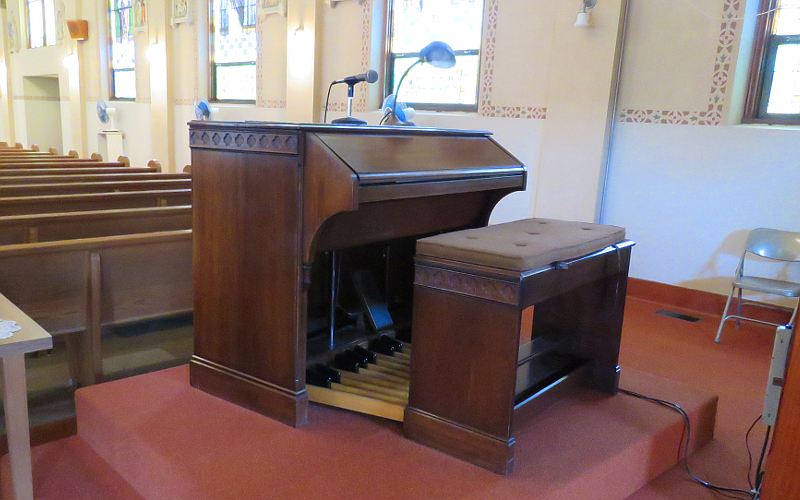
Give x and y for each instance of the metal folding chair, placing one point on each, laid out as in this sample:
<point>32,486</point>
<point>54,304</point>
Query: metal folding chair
<point>770,244</point>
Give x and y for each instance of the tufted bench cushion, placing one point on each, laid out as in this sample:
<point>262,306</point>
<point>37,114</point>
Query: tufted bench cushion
<point>521,245</point>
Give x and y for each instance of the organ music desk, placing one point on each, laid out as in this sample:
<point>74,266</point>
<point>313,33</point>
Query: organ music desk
<point>304,240</point>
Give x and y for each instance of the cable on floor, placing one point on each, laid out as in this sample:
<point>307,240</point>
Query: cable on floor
<point>686,439</point>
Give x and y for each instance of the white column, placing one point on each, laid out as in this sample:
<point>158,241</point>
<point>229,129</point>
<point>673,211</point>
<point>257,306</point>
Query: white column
<point>161,98</point>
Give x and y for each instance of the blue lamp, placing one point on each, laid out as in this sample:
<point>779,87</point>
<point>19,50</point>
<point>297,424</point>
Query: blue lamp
<point>438,55</point>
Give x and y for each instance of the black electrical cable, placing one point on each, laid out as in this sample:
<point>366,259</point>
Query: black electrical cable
<point>328,98</point>
<point>759,471</point>
<point>687,425</point>
<point>749,453</point>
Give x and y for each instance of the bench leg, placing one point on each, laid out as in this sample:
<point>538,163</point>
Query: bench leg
<point>463,373</point>
<point>591,316</point>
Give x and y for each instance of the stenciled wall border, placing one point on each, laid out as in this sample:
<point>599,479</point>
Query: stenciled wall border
<point>486,107</point>
<point>720,78</point>
<point>360,103</point>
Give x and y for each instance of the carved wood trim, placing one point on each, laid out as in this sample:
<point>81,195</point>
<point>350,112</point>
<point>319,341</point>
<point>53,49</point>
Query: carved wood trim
<point>481,287</point>
<point>232,140</point>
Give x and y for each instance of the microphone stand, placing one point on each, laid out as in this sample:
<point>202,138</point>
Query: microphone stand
<point>349,119</point>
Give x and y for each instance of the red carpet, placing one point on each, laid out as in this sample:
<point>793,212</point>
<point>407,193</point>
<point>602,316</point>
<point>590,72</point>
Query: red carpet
<point>168,440</point>
<point>736,370</point>
<point>155,437</point>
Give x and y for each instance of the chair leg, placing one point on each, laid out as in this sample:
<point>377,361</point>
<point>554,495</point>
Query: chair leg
<point>739,308</point>
<point>724,316</point>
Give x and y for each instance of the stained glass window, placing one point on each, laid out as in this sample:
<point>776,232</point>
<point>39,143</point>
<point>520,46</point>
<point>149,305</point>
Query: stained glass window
<point>775,96</point>
<point>234,48</point>
<point>415,23</point>
<point>41,23</point>
<point>122,49</point>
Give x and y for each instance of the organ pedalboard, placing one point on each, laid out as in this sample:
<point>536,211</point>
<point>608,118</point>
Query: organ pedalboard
<point>371,380</point>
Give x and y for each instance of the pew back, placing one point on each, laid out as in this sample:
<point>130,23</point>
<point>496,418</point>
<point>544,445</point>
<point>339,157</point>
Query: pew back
<point>85,284</point>
<point>82,163</point>
<point>22,171</point>
<point>94,177</point>
<point>21,205</point>
<point>20,229</point>
<point>93,187</point>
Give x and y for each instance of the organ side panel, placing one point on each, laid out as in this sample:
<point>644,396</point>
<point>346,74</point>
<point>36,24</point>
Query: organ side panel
<point>246,266</point>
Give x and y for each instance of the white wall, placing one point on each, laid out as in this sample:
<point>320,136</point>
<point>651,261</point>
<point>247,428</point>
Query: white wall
<point>133,119</point>
<point>688,195</point>
<point>43,111</point>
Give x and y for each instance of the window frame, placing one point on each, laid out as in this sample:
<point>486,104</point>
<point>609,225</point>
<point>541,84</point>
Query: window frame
<point>212,66</point>
<point>44,26</point>
<point>390,58</point>
<point>765,47</point>
<point>112,95</point>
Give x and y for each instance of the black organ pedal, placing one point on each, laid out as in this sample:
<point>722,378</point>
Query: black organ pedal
<point>333,374</point>
<point>398,346</point>
<point>346,361</point>
<point>371,356</point>
<point>317,375</point>
<point>363,359</point>
<point>384,345</point>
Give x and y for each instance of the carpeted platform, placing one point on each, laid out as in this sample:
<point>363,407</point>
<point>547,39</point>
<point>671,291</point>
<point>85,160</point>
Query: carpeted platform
<point>156,436</point>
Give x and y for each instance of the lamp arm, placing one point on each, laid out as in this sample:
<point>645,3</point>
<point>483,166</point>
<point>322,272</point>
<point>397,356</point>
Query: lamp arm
<point>399,84</point>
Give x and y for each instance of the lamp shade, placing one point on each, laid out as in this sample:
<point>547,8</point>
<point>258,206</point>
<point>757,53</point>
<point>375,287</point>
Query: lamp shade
<point>438,54</point>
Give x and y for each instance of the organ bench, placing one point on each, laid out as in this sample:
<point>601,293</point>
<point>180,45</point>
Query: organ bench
<point>470,372</point>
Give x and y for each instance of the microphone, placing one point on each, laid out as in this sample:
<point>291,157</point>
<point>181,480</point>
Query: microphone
<point>370,76</point>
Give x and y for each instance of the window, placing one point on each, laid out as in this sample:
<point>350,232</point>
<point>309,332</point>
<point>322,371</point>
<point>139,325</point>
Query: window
<point>233,50</point>
<point>415,23</point>
<point>774,91</point>
<point>41,23</point>
<point>122,49</point>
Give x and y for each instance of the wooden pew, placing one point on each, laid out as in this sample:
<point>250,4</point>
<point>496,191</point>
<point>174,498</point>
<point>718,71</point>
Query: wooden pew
<point>6,158</point>
<point>75,171</point>
<point>64,164</point>
<point>93,187</point>
<point>16,152</point>
<point>18,146</point>
<point>46,156</point>
<point>94,177</point>
<point>17,229</point>
<point>83,285</point>
<point>21,205</point>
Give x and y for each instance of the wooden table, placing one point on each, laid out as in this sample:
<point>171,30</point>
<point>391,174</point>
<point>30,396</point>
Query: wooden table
<point>30,338</point>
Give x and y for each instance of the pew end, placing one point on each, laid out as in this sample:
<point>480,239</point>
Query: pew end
<point>187,169</point>
<point>34,147</point>
<point>19,146</point>
<point>154,165</point>
<point>96,157</point>
<point>72,153</point>
<point>53,151</point>
<point>126,162</point>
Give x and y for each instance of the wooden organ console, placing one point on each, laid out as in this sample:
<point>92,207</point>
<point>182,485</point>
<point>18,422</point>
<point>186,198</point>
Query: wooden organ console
<point>303,254</point>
